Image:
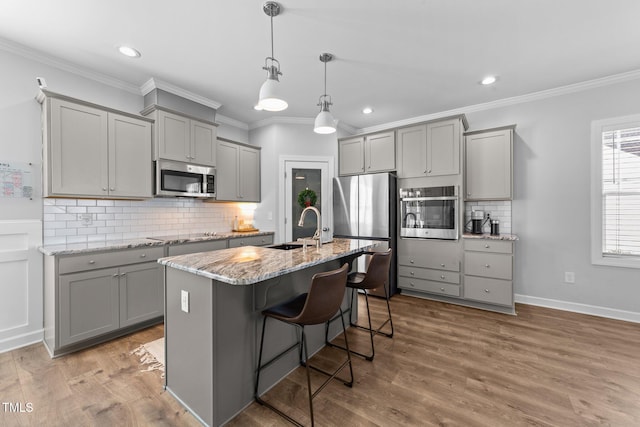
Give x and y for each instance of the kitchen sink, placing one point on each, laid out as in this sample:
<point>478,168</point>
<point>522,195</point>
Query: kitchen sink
<point>286,246</point>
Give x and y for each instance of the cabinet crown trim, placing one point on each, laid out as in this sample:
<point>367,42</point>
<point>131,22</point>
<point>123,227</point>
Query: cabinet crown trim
<point>153,107</point>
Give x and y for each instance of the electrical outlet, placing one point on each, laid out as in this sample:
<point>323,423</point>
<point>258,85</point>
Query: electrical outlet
<point>569,277</point>
<point>86,218</point>
<point>184,301</point>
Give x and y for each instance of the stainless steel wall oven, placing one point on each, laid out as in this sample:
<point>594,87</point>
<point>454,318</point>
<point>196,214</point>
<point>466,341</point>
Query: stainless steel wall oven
<point>429,212</point>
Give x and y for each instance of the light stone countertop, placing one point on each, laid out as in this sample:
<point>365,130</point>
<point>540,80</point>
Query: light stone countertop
<point>107,245</point>
<point>252,264</point>
<point>487,236</point>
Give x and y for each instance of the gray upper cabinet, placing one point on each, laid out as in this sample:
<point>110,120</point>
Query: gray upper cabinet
<point>184,139</point>
<point>488,164</point>
<point>93,152</point>
<point>238,172</point>
<point>367,154</point>
<point>430,149</point>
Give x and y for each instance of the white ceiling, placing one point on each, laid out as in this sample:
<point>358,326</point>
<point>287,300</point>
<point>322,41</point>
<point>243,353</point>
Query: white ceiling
<point>405,58</point>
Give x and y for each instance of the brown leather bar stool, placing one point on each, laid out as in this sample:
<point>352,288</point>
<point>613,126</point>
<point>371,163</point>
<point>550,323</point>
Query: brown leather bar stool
<point>313,308</point>
<point>377,275</point>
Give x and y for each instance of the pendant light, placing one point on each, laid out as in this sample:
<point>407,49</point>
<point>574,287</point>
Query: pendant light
<point>269,99</point>
<point>324,121</point>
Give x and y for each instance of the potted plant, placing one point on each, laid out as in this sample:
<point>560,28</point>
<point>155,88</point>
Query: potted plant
<point>307,198</point>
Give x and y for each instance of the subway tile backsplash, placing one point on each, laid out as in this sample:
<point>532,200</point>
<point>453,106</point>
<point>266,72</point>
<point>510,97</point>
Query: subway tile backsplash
<point>80,220</point>
<point>500,210</point>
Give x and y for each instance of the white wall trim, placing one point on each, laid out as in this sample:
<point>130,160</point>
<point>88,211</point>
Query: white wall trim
<point>505,102</point>
<point>154,83</point>
<point>61,64</point>
<point>21,340</point>
<point>610,313</point>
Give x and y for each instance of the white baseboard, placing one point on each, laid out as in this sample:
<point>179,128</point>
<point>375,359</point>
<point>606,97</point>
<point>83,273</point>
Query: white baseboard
<point>594,310</point>
<point>21,340</point>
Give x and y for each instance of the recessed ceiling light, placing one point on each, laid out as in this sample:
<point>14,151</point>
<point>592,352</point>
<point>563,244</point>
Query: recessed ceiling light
<point>488,80</point>
<point>129,51</point>
<point>367,110</point>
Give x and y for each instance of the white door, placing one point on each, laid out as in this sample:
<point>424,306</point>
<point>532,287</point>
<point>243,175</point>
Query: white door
<point>315,174</point>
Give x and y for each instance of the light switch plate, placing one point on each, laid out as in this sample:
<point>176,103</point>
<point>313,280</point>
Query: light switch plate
<point>184,301</point>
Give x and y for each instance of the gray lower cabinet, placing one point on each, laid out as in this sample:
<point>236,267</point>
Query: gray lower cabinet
<point>251,241</point>
<point>488,271</point>
<point>90,298</point>
<point>429,266</point>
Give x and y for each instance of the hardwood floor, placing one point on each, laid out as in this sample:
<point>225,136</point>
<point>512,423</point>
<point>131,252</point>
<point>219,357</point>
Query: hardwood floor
<point>446,365</point>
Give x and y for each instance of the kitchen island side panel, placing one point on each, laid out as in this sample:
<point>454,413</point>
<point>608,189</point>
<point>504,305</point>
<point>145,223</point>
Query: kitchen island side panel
<point>189,342</point>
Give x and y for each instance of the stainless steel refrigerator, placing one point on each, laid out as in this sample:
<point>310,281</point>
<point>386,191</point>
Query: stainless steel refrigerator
<point>364,207</point>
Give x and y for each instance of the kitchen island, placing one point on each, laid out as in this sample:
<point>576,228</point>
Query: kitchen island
<point>213,304</point>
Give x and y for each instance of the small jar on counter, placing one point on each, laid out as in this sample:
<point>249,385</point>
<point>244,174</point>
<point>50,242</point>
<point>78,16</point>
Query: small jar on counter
<point>495,227</point>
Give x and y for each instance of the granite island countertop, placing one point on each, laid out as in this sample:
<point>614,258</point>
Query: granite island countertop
<point>252,264</point>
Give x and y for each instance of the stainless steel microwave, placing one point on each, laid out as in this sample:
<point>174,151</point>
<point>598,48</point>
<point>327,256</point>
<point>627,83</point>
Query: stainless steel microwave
<point>429,212</point>
<point>178,179</point>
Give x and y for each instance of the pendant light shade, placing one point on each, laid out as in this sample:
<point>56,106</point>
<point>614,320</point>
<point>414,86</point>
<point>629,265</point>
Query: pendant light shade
<point>270,98</point>
<point>324,123</point>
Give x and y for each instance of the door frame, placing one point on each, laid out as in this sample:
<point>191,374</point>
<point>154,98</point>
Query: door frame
<point>327,213</point>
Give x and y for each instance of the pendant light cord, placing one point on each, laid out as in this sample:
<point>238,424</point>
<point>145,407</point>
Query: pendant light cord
<point>272,55</point>
<point>325,78</point>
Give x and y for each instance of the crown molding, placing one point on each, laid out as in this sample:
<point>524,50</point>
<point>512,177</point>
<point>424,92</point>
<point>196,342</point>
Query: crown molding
<point>231,122</point>
<point>154,83</point>
<point>506,102</point>
<point>61,64</point>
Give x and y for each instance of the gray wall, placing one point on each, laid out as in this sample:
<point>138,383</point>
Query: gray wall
<point>551,206</point>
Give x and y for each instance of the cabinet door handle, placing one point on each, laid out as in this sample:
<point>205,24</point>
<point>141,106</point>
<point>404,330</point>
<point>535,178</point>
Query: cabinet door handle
<point>143,256</point>
<point>115,275</point>
<point>442,276</point>
<point>487,290</point>
<point>487,246</point>
<point>425,172</point>
<point>411,261</point>
<point>468,194</point>
<point>441,265</point>
<point>92,262</point>
<point>429,171</point>
<point>412,273</point>
<point>112,189</point>
<point>123,274</point>
<point>104,188</point>
<point>487,265</point>
<point>412,285</point>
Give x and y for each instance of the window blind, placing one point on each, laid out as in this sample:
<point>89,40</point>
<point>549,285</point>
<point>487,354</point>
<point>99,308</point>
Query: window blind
<point>621,192</point>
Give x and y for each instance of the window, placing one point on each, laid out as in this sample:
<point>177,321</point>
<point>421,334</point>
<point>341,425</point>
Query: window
<point>615,187</point>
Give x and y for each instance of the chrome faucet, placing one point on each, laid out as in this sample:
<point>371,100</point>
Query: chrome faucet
<point>316,235</point>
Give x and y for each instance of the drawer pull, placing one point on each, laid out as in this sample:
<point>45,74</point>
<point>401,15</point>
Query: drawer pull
<point>92,262</point>
<point>487,290</point>
<point>487,265</point>
<point>143,256</point>
<point>441,265</point>
<point>412,273</point>
<point>442,289</point>
<point>487,246</point>
<point>442,276</point>
<point>411,261</point>
<point>412,285</point>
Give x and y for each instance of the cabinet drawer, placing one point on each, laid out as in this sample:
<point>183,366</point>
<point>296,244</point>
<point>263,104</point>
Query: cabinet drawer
<point>497,266</point>
<point>191,248</point>
<point>488,245</point>
<point>488,290</point>
<point>250,241</point>
<point>438,262</point>
<point>428,274</point>
<point>72,263</point>
<point>429,286</point>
